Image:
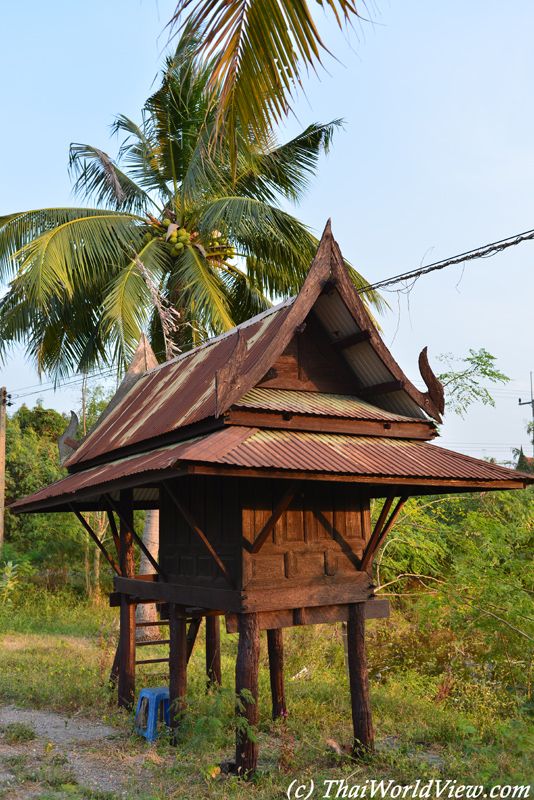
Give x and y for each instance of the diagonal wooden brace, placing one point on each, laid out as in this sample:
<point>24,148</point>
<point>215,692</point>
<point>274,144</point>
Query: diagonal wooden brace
<point>95,538</point>
<point>201,535</point>
<point>275,516</point>
<point>139,541</point>
<point>114,531</point>
<point>380,532</point>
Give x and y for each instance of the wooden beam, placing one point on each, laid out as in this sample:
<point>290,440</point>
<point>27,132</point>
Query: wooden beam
<point>376,541</point>
<point>95,538</point>
<point>275,516</point>
<point>186,595</point>
<point>193,525</point>
<point>359,681</point>
<point>376,608</point>
<point>429,485</point>
<point>246,677</point>
<point>381,388</point>
<point>137,538</point>
<point>409,429</point>
<point>348,341</point>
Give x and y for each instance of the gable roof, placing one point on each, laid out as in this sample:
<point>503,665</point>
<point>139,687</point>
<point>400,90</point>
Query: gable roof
<point>340,409</point>
<point>204,383</point>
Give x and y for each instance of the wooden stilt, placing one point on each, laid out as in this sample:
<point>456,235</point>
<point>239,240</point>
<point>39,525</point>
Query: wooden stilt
<point>359,680</point>
<point>246,677</point>
<point>114,672</point>
<point>275,644</point>
<point>177,662</point>
<point>127,612</point>
<point>213,650</point>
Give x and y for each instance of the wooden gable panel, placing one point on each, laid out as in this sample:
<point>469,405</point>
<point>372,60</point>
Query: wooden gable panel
<point>309,363</point>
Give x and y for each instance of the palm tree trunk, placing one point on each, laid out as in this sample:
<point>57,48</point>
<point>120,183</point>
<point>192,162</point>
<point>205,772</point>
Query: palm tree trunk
<point>146,612</point>
<point>96,571</point>
<point>87,566</point>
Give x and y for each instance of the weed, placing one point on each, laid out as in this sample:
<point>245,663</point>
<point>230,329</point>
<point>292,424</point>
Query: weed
<point>287,748</point>
<point>18,732</point>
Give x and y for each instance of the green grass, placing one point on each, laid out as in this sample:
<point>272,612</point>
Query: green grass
<point>430,721</point>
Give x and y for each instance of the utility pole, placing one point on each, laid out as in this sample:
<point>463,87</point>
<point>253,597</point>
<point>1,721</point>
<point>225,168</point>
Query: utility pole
<point>4,401</point>
<point>531,404</point>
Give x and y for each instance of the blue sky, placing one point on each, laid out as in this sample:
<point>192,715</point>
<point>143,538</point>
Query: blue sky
<point>436,158</point>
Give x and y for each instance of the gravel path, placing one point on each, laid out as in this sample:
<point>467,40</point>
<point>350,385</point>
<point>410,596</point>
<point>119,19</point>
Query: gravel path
<point>68,752</point>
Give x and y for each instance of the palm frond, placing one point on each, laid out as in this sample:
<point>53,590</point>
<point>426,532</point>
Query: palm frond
<point>79,251</point>
<point>141,153</point>
<point>64,339</point>
<point>98,178</point>
<point>260,49</point>
<point>20,230</point>
<point>127,304</point>
<point>286,170</point>
<point>268,235</point>
<point>201,290</point>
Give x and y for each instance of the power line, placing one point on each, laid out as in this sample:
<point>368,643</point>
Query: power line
<point>482,252</point>
<point>104,375</point>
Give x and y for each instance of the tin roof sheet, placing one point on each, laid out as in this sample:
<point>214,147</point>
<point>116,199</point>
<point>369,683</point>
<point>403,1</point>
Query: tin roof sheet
<point>179,392</point>
<point>318,403</point>
<point>239,446</point>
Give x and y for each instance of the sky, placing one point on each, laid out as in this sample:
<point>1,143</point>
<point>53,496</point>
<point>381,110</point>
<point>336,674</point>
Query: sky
<point>435,158</point>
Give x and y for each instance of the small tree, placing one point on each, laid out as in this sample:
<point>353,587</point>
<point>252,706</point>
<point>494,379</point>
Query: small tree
<point>462,386</point>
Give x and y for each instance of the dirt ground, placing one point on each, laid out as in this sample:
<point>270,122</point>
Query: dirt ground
<point>68,754</point>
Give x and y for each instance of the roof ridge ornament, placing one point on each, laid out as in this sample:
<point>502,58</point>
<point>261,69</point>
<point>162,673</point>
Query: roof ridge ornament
<point>63,443</point>
<point>226,377</point>
<point>143,360</point>
<point>434,386</point>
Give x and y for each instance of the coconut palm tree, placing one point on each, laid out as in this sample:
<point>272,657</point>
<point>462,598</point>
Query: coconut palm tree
<point>171,229</point>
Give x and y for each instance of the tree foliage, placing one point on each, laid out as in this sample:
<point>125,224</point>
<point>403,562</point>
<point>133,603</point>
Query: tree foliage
<point>462,379</point>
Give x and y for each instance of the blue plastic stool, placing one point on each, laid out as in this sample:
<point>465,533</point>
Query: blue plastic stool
<point>153,698</point>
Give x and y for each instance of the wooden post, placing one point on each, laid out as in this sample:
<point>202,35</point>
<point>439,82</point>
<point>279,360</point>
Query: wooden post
<point>359,680</point>
<point>213,650</point>
<point>127,613</point>
<point>3,403</point>
<point>275,644</point>
<point>177,662</point>
<point>246,677</point>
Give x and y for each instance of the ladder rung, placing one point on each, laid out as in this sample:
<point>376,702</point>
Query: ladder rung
<point>151,644</point>
<point>148,624</point>
<point>152,661</point>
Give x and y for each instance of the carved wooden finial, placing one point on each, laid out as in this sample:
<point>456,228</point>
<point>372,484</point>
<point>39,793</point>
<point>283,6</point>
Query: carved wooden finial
<point>435,387</point>
<point>64,446</point>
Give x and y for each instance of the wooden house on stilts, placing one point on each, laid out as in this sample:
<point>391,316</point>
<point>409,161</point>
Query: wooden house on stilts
<point>262,449</point>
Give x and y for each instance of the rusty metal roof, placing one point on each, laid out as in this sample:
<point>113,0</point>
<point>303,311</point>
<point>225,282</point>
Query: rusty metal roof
<point>294,451</point>
<point>179,392</point>
<point>317,403</point>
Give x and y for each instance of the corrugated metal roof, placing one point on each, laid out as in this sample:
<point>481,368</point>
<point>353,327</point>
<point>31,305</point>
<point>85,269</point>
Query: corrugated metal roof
<point>178,393</point>
<point>361,455</point>
<point>239,446</point>
<point>319,403</point>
